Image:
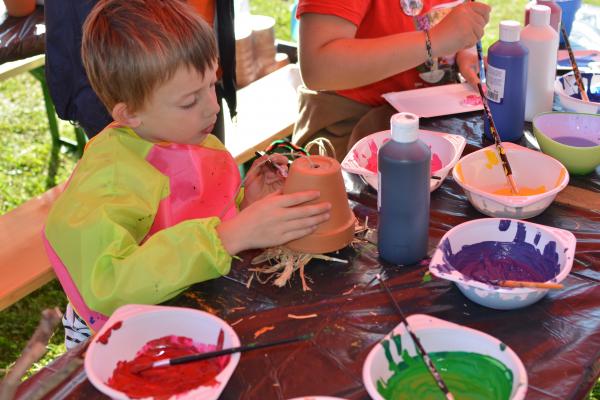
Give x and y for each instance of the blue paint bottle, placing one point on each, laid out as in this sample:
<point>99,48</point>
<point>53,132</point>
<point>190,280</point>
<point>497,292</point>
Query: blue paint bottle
<point>403,193</point>
<point>507,83</point>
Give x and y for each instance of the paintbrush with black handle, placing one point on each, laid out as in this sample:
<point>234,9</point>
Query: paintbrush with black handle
<point>496,136</point>
<point>136,369</point>
<point>488,112</point>
<point>576,72</point>
<point>434,372</point>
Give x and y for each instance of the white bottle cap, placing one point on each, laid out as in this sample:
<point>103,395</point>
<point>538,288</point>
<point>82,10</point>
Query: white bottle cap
<point>539,15</point>
<point>405,127</point>
<point>510,31</point>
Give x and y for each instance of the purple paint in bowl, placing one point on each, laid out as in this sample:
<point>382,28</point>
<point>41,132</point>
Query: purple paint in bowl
<point>476,253</point>
<point>492,261</point>
<point>571,138</point>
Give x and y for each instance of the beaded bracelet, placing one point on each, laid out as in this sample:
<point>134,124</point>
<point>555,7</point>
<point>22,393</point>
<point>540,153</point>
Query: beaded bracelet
<point>428,47</point>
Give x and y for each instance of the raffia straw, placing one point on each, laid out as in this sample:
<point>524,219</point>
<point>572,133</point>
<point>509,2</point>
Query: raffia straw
<point>324,145</point>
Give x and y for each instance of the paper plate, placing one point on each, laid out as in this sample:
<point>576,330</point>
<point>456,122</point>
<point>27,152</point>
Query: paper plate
<point>436,100</point>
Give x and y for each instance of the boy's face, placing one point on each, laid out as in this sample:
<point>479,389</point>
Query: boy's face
<point>182,110</point>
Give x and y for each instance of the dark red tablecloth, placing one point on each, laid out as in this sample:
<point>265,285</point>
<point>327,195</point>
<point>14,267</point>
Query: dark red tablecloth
<point>558,338</point>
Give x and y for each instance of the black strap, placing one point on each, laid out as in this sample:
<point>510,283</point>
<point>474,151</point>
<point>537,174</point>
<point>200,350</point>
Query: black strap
<point>226,37</point>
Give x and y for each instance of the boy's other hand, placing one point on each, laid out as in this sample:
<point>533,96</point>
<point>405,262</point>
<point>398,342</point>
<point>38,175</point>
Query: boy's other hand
<point>263,179</point>
<point>273,221</point>
<point>468,65</point>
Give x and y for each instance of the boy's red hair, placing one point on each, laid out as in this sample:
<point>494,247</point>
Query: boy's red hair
<point>131,46</point>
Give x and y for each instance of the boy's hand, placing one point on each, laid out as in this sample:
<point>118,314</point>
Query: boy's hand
<point>460,29</point>
<point>263,179</point>
<point>273,221</point>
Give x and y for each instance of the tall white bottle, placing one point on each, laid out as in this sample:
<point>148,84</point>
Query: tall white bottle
<point>542,42</point>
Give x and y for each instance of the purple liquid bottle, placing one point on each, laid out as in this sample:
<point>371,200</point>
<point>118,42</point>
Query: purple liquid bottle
<point>507,83</point>
<point>403,193</point>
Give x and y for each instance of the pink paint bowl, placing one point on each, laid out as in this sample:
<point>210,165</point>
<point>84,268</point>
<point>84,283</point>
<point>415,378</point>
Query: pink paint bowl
<point>445,152</point>
<point>571,138</point>
<point>476,254</point>
<point>538,177</point>
<point>131,327</point>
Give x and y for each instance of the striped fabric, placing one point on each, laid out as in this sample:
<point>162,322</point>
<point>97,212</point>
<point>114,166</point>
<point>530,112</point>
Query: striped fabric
<point>76,331</point>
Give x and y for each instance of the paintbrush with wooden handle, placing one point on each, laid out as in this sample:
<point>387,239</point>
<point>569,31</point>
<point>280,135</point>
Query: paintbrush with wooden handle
<point>526,284</point>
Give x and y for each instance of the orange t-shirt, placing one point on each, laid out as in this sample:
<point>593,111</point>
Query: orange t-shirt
<point>377,18</point>
<point>206,9</point>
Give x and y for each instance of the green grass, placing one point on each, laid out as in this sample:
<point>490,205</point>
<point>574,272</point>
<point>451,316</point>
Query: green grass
<point>25,148</point>
<point>24,156</point>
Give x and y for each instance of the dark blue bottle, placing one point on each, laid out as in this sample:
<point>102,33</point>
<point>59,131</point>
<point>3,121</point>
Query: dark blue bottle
<point>403,193</point>
<point>507,83</point>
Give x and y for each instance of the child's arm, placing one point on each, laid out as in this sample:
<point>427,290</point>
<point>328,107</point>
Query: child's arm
<point>97,236</point>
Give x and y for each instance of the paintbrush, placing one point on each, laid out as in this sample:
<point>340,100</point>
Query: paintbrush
<point>525,284</point>
<point>576,72</point>
<point>434,372</point>
<point>496,136</point>
<point>480,60</point>
<point>136,369</point>
<point>275,167</point>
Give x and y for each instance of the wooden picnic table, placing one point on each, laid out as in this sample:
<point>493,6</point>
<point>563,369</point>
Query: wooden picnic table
<point>557,338</point>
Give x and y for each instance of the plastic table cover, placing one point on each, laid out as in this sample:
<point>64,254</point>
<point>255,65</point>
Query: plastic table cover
<point>21,37</point>
<point>558,338</point>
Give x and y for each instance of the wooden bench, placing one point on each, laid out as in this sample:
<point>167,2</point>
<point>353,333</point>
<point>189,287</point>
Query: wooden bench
<point>24,266</point>
<point>267,111</point>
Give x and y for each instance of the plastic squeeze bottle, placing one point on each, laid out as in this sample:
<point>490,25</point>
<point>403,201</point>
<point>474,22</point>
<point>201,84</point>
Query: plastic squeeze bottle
<point>542,42</point>
<point>507,83</point>
<point>403,194</point>
<point>555,13</point>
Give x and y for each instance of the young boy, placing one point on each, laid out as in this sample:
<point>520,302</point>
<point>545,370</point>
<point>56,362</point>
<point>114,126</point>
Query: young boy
<point>152,207</point>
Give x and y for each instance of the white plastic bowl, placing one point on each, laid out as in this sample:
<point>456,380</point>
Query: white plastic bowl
<point>142,323</point>
<point>447,147</point>
<point>565,87</point>
<point>480,173</point>
<point>501,230</point>
<point>437,335</point>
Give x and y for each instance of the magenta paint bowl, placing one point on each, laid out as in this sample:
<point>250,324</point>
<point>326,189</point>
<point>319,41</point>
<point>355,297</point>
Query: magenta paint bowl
<point>571,138</point>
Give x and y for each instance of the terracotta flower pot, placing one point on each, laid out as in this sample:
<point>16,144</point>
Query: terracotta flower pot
<point>19,8</point>
<point>325,175</point>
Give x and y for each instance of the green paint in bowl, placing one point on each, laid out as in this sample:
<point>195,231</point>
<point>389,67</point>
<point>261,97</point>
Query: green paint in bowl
<point>571,138</point>
<point>469,376</point>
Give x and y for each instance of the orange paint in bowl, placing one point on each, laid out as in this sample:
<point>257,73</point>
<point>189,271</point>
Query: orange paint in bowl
<point>523,191</point>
